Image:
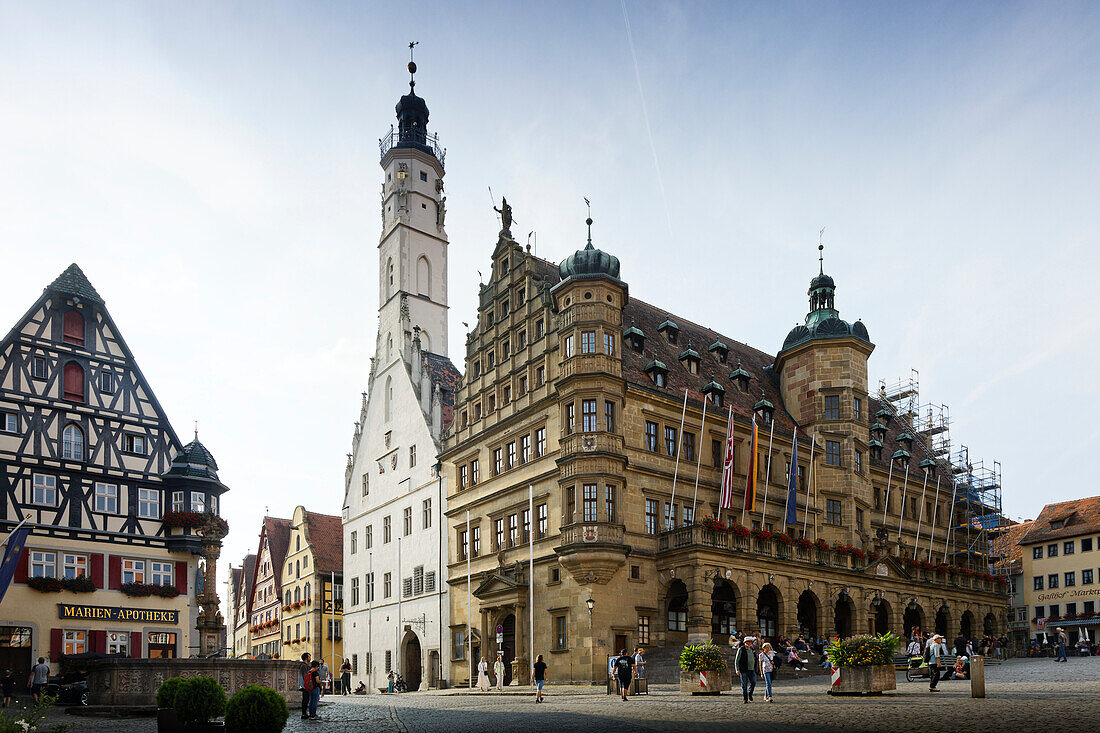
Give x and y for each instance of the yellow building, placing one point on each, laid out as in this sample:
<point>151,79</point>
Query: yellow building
<point>1061,559</point>
<point>312,587</point>
<point>582,421</point>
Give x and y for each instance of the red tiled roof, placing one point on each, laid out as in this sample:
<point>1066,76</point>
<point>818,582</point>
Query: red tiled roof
<point>1079,516</point>
<point>278,539</point>
<point>248,568</point>
<point>442,371</point>
<point>326,535</point>
<point>1006,551</point>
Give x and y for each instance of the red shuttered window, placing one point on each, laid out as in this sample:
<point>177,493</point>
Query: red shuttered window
<point>73,330</point>
<point>74,382</point>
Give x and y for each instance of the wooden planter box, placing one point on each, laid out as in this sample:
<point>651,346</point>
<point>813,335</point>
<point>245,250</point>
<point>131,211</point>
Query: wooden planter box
<point>704,683</point>
<point>869,680</point>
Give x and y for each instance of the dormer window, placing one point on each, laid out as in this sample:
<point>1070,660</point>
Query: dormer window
<point>878,430</point>
<point>740,377</point>
<point>720,350</point>
<point>764,409</point>
<point>658,372</point>
<point>876,449</point>
<point>905,440</point>
<point>714,393</point>
<point>689,357</point>
<point>635,338</point>
<point>669,330</point>
<point>1058,524</point>
<point>883,416</point>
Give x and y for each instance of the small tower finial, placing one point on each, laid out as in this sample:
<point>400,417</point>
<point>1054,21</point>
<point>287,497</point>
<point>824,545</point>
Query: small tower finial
<point>821,252</point>
<point>588,221</point>
<point>196,430</point>
<point>412,64</point>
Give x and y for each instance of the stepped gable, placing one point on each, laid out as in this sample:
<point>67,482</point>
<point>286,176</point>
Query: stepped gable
<point>757,363</point>
<point>326,536</point>
<point>1064,519</point>
<point>73,282</point>
<point>443,372</point>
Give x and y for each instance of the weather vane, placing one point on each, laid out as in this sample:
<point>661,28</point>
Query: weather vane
<point>588,221</point>
<point>821,251</point>
<point>412,64</point>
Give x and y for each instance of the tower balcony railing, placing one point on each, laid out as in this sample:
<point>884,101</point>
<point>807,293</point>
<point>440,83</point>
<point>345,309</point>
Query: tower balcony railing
<point>428,142</point>
<point>592,532</point>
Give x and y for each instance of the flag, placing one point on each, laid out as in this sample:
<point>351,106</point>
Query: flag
<point>792,482</point>
<point>726,498</point>
<point>750,484</point>
<point>12,552</point>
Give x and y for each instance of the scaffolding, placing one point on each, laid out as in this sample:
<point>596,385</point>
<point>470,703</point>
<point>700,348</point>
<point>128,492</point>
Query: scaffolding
<point>976,517</point>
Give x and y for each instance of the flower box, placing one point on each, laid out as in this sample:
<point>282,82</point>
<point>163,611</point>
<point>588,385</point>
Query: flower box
<point>739,530</point>
<point>865,680</point>
<point>144,590</point>
<point>706,682</point>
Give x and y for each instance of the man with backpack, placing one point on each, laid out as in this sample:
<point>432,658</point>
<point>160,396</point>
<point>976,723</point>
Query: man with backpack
<point>303,677</point>
<point>933,653</point>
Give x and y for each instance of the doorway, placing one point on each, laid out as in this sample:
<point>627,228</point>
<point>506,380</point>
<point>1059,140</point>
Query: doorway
<point>412,663</point>
<point>620,643</point>
<point>767,611</point>
<point>843,611</point>
<point>508,646</point>
<point>162,645</point>
<point>807,615</point>
<point>15,650</point>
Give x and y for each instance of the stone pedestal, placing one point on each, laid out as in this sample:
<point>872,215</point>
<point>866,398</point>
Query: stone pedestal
<point>134,682</point>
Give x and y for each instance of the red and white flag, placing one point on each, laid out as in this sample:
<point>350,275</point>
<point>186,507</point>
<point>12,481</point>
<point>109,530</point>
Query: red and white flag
<point>726,499</point>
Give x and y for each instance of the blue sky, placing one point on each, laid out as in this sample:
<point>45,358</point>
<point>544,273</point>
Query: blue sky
<point>213,168</point>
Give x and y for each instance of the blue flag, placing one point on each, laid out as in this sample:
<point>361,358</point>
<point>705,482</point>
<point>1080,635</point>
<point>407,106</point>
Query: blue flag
<point>12,552</point>
<point>792,482</point>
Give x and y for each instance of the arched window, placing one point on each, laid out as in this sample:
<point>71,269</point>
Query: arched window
<point>287,599</point>
<point>425,341</point>
<point>73,328</point>
<point>389,278</point>
<point>307,592</point>
<point>297,568</point>
<point>72,443</point>
<point>73,386</point>
<point>298,543</point>
<point>424,276</point>
<point>677,606</point>
<point>297,594</point>
<point>389,397</point>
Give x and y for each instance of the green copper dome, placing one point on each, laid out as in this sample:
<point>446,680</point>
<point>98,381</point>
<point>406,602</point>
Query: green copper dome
<point>589,262</point>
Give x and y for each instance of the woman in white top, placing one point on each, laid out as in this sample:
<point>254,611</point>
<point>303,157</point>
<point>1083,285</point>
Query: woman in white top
<point>498,670</point>
<point>767,668</point>
<point>483,675</point>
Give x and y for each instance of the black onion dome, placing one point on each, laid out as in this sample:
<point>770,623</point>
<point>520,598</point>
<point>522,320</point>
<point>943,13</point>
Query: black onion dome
<point>589,262</point>
<point>194,464</point>
<point>797,335</point>
<point>832,327</point>
<point>412,104</point>
<point>821,281</point>
<point>860,331</point>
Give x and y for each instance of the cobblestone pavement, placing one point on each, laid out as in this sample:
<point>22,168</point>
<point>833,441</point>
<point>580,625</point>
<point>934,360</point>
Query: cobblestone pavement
<point>1023,695</point>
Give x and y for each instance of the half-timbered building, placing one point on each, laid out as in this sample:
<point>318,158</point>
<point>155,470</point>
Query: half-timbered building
<point>89,457</point>
<point>265,607</point>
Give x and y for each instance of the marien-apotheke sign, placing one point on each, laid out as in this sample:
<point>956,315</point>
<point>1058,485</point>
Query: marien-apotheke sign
<point>117,613</point>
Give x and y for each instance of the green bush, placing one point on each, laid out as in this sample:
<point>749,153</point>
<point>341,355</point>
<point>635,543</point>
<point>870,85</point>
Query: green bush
<point>166,695</point>
<point>702,658</point>
<point>199,700</point>
<point>256,709</point>
<point>865,650</point>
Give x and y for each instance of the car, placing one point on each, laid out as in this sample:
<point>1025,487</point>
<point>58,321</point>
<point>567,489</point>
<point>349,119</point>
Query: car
<point>72,693</point>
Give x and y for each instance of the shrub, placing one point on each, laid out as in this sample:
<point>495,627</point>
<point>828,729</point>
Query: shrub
<point>166,695</point>
<point>702,658</point>
<point>864,650</point>
<point>199,700</point>
<point>256,709</point>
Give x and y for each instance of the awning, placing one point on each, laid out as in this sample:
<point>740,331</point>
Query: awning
<point>1072,623</point>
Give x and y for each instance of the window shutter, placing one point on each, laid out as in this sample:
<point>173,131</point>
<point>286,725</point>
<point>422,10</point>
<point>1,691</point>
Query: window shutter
<point>56,646</point>
<point>135,644</point>
<point>74,382</point>
<point>114,572</point>
<point>73,328</point>
<point>98,642</point>
<point>429,582</point>
<point>97,570</point>
<point>181,577</point>
<point>21,568</point>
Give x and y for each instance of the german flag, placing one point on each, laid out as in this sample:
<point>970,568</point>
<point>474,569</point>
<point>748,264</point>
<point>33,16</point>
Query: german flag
<point>750,484</point>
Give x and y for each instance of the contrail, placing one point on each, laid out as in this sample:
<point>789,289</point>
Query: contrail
<point>645,116</point>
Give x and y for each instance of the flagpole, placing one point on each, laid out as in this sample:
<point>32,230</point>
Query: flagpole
<point>750,478</point>
<point>935,513</point>
<point>725,493</point>
<point>469,604</point>
<point>670,520</point>
<point>920,519</point>
<point>531,560</point>
<point>370,622</point>
<point>886,504</point>
<point>809,482</point>
<point>15,529</point>
<point>792,478</point>
<point>767,475</point>
<point>950,510</point>
<point>699,461</point>
<point>901,514</point>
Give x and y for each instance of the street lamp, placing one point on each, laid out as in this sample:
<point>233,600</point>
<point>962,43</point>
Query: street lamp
<point>591,634</point>
<point>591,605</point>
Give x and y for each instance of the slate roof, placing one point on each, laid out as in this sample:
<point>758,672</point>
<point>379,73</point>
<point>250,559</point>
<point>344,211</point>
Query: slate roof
<point>1079,516</point>
<point>278,538</point>
<point>442,371</point>
<point>1006,549</point>
<point>326,536</point>
<point>73,282</point>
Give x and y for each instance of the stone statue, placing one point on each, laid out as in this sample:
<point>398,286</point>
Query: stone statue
<point>505,212</point>
<point>441,212</point>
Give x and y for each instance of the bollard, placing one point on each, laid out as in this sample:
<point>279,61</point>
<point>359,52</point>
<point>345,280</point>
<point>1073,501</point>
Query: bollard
<point>977,676</point>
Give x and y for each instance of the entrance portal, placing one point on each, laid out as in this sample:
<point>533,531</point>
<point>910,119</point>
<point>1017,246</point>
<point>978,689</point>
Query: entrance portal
<point>767,611</point>
<point>881,613</point>
<point>912,619</point>
<point>807,615</point>
<point>15,651</point>
<point>412,662</point>
<point>509,646</point>
<point>844,611</point>
<point>723,611</point>
<point>942,619</point>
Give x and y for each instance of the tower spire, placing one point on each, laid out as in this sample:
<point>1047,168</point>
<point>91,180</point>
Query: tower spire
<point>412,65</point>
<point>588,221</point>
<point>820,252</point>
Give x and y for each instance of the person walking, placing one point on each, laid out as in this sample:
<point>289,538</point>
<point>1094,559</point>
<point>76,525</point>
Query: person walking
<point>538,676</point>
<point>624,672</point>
<point>345,676</point>
<point>1063,640</point>
<point>323,670</point>
<point>390,681</point>
<point>639,666</point>
<point>314,683</point>
<point>936,651</point>
<point>303,673</point>
<point>483,675</point>
<point>38,679</point>
<point>914,648</point>
<point>498,671</point>
<point>744,666</point>
<point>8,682</point>
<point>767,668</point>
<point>960,645</point>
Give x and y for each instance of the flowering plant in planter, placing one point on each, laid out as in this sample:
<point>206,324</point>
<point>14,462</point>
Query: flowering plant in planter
<point>45,585</point>
<point>183,519</point>
<point>144,590</point>
<point>821,545</point>
<point>739,530</point>
<point>842,548</point>
<point>783,539</point>
<point>864,650</point>
<point>763,534</point>
<point>703,658</point>
<point>872,555</point>
<point>712,523</point>
<point>804,543</point>
<point>857,553</point>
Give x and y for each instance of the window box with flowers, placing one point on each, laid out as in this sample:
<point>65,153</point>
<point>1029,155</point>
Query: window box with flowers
<point>740,530</point>
<point>713,523</point>
<point>144,590</point>
<point>82,584</point>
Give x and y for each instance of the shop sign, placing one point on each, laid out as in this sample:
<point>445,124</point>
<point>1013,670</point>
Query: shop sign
<point>118,613</point>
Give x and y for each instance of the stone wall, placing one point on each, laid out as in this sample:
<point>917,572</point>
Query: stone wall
<point>136,681</point>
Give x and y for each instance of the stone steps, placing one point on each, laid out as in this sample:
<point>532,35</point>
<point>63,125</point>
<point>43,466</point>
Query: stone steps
<point>663,665</point>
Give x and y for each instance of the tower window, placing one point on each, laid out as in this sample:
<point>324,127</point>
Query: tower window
<point>832,407</point>
<point>72,443</point>
<point>74,382</point>
<point>73,328</point>
<point>832,453</point>
<point>423,176</point>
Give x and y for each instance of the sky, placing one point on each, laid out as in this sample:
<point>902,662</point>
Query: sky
<point>213,168</point>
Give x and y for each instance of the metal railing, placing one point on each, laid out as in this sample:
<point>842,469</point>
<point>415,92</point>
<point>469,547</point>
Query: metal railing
<point>428,142</point>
